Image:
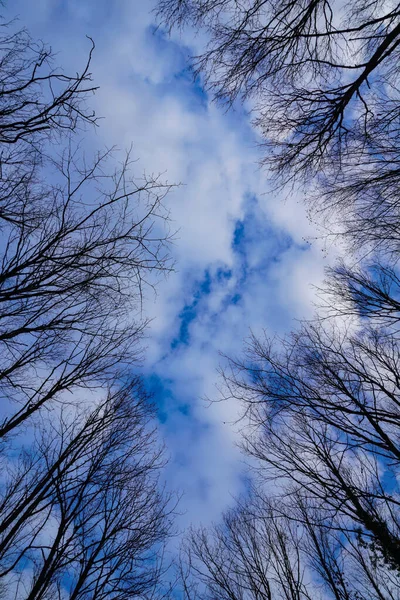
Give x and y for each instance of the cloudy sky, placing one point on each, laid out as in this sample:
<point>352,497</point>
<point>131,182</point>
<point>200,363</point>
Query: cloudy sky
<point>242,262</point>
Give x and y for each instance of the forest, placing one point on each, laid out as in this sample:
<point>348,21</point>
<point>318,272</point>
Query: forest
<point>86,507</point>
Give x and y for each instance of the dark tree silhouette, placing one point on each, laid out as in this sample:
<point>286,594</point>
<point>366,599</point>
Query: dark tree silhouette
<point>246,556</point>
<point>321,72</point>
<point>35,98</point>
<point>72,273</point>
<point>323,409</point>
<point>82,512</point>
<point>80,239</point>
<point>321,78</point>
<point>258,553</point>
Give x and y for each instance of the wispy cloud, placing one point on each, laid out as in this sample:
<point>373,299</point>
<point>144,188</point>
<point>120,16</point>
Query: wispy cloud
<point>240,254</point>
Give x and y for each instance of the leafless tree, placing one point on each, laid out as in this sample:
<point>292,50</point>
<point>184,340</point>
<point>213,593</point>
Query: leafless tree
<point>369,293</point>
<point>73,268</point>
<point>322,80</point>
<point>246,556</point>
<point>82,514</point>
<point>323,409</point>
<point>36,98</point>
<point>80,238</point>
<point>319,70</point>
<point>264,550</point>
<point>259,553</point>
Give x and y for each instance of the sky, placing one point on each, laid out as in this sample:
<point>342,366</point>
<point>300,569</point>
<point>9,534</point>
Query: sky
<point>242,252</point>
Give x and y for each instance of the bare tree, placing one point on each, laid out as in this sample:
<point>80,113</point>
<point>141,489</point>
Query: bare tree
<point>72,274</point>
<point>82,512</point>
<point>247,556</point>
<point>316,67</point>
<point>260,553</point>
<point>322,80</point>
<point>369,293</point>
<point>35,98</point>
<point>80,239</point>
<point>324,415</point>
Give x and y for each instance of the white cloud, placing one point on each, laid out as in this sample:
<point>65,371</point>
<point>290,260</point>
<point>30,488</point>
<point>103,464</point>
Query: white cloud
<point>148,99</point>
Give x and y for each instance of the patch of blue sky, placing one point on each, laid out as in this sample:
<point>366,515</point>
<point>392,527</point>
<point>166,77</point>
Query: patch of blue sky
<point>183,83</point>
<point>263,252</point>
<point>170,405</point>
<point>189,312</point>
<point>182,430</point>
<point>160,394</point>
<point>184,75</point>
<point>256,243</point>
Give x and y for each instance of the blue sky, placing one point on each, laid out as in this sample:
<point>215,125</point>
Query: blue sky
<point>241,260</point>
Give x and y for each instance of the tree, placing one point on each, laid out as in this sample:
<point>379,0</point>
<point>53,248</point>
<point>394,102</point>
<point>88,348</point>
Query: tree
<point>258,553</point>
<point>80,241</point>
<point>82,512</point>
<point>249,555</point>
<point>322,80</point>
<point>309,63</point>
<point>71,278</point>
<point>37,100</point>
<point>323,411</point>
